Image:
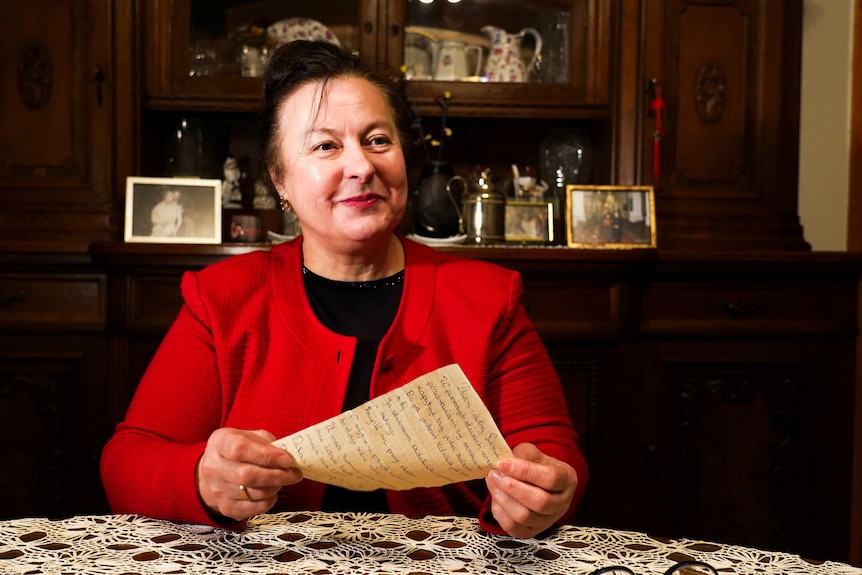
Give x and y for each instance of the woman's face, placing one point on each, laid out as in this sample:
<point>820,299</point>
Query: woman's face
<point>342,163</point>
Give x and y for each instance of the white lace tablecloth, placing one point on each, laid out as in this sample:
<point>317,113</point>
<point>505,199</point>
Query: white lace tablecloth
<point>355,544</point>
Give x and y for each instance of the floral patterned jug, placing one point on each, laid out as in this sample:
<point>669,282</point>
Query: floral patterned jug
<point>505,61</point>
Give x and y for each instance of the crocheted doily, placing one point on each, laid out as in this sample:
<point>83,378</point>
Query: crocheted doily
<point>356,544</point>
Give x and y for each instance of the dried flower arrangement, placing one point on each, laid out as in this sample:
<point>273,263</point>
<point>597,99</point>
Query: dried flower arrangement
<point>428,141</point>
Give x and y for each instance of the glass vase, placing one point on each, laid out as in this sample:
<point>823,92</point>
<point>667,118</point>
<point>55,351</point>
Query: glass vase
<point>566,157</point>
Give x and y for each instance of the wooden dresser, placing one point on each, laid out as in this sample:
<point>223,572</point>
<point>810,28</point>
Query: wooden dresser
<point>53,315</point>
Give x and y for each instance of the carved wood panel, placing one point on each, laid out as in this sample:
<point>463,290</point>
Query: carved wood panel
<point>55,144</point>
<point>51,406</point>
<point>585,371</point>
<point>721,144</point>
<point>738,439</point>
<point>738,431</point>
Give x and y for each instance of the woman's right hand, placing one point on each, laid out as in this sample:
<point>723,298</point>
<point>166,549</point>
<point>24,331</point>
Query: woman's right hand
<point>234,458</point>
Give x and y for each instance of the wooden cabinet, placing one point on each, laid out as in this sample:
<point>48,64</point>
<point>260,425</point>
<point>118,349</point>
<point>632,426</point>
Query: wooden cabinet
<point>721,144</point>
<point>57,143</point>
<point>742,405</point>
<point>710,392</point>
<point>52,383</point>
<point>65,147</point>
<point>699,99</point>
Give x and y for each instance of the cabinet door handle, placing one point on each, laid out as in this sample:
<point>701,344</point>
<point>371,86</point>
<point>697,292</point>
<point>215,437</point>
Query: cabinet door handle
<point>396,30</point>
<point>99,81</point>
<point>741,308</point>
<point>368,27</point>
<point>650,454</point>
<point>14,297</point>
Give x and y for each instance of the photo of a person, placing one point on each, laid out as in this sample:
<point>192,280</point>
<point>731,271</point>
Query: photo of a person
<point>527,222</point>
<point>617,226</point>
<point>613,216</point>
<point>167,215</point>
<point>173,210</point>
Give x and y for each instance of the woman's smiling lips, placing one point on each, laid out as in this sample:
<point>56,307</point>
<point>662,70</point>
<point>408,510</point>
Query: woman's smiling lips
<point>363,201</point>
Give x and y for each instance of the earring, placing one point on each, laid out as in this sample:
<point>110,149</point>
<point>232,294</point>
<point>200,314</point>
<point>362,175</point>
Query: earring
<point>285,204</point>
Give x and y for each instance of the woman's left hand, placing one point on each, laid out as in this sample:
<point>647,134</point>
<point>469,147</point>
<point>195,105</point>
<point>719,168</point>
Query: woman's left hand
<point>530,491</point>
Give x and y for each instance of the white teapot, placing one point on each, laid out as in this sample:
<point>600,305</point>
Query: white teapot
<point>505,61</point>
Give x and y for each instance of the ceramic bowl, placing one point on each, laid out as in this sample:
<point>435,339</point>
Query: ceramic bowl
<point>291,29</point>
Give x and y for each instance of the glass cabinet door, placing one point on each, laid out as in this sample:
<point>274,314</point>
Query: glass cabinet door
<point>509,57</point>
<point>506,58</point>
<point>219,48</point>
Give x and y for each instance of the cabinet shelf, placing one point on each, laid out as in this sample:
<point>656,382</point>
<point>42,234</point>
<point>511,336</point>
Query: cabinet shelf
<point>468,101</point>
<point>239,103</point>
<point>517,101</point>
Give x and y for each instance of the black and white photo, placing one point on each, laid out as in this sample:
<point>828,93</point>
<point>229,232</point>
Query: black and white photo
<point>173,210</point>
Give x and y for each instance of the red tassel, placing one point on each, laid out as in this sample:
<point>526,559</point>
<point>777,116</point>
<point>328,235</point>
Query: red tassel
<point>657,106</point>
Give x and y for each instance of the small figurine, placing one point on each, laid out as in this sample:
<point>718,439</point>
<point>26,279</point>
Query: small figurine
<point>231,194</point>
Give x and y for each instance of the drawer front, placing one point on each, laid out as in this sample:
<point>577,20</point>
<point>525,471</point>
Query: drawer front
<point>37,302</point>
<point>690,306</point>
<point>558,310</point>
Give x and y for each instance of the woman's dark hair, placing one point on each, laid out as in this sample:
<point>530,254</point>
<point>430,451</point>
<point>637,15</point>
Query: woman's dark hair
<point>297,63</point>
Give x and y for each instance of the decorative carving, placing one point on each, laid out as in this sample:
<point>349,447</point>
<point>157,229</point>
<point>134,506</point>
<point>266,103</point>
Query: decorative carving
<point>582,380</point>
<point>763,409</point>
<point>45,395</point>
<point>35,75</point>
<point>710,93</point>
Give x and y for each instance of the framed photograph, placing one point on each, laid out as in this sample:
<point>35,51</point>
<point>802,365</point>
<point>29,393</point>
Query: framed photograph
<point>610,217</point>
<point>529,222</point>
<point>173,210</point>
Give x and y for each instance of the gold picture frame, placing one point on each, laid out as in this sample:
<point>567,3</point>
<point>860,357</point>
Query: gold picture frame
<point>610,217</point>
<point>529,222</point>
<point>173,210</point>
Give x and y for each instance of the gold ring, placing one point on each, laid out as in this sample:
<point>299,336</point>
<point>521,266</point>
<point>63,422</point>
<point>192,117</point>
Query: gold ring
<point>243,493</point>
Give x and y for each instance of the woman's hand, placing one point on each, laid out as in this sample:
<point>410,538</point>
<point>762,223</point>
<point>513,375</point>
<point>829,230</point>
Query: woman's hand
<point>235,458</point>
<point>530,491</point>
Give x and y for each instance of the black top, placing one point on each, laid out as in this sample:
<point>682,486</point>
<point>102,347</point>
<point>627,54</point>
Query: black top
<point>363,310</point>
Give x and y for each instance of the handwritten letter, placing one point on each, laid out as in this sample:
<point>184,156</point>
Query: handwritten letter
<point>432,431</point>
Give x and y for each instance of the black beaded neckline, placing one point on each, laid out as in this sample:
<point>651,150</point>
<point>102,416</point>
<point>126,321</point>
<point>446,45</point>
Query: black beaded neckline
<point>391,281</point>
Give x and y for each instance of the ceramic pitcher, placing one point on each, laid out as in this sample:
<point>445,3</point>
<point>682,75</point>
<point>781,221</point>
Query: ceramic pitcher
<point>505,61</point>
<point>435,204</point>
<point>452,61</point>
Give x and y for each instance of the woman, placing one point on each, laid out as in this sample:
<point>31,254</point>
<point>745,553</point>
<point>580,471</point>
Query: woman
<point>271,342</point>
<point>167,215</point>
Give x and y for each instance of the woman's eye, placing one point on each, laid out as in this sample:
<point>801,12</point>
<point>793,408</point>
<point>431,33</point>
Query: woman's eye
<point>326,146</point>
<point>380,141</point>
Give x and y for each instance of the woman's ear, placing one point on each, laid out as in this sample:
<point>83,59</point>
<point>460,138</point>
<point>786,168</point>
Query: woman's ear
<point>275,178</point>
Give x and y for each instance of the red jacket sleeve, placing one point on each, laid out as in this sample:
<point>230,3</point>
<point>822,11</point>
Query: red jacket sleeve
<point>148,466</point>
<point>525,395</point>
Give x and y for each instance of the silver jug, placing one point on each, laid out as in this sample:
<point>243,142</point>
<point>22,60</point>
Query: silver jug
<point>484,211</point>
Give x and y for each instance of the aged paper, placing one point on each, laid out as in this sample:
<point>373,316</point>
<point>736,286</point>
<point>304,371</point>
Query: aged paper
<point>432,431</point>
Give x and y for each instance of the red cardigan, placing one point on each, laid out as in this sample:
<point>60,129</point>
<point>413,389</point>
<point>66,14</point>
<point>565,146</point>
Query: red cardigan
<point>247,351</point>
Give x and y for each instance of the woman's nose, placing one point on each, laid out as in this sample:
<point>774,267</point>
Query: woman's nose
<point>357,163</point>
